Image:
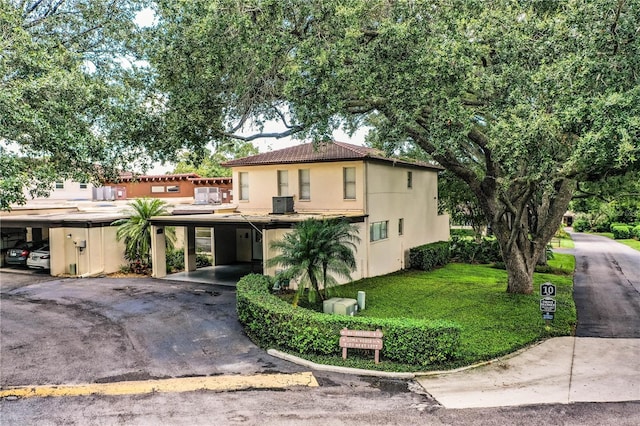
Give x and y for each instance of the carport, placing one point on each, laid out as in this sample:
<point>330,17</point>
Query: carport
<point>236,238</point>
<point>81,243</point>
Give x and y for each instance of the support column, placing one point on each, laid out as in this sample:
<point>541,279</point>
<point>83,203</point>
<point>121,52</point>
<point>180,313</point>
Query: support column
<point>158,252</point>
<point>190,249</point>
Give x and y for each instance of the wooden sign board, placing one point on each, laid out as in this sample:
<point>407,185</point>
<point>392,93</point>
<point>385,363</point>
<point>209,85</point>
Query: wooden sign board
<point>361,339</point>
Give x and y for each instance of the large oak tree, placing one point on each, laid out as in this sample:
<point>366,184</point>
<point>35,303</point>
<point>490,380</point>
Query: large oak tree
<point>73,103</point>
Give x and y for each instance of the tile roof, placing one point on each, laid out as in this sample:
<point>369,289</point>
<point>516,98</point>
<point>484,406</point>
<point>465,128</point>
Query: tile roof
<point>326,152</point>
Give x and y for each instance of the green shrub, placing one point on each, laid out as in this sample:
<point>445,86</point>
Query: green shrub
<point>621,232</point>
<point>615,224</point>
<point>581,225</point>
<point>175,260</point>
<point>271,322</point>
<point>462,232</point>
<point>561,233</point>
<point>429,256</point>
<point>635,232</point>
<point>465,250</point>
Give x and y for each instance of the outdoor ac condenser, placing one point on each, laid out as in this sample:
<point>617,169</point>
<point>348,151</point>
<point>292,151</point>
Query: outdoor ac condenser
<point>282,205</point>
<point>207,195</point>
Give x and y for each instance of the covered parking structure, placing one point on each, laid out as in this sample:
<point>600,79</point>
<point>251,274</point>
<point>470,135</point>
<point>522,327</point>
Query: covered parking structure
<point>81,243</point>
<point>235,237</point>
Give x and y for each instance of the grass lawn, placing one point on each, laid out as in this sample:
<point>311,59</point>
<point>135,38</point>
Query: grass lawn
<point>493,322</point>
<point>634,244</point>
<point>562,243</point>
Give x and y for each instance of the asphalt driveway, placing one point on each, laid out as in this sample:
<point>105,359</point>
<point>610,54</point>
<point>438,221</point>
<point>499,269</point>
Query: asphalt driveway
<point>105,329</point>
<point>606,288</point>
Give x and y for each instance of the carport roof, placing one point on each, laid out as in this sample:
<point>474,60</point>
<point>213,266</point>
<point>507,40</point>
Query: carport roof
<point>266,220</point>
<point>63,220</point>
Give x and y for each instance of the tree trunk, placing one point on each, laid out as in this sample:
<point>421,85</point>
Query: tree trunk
<point>520,267</point>
<point>525,228</point>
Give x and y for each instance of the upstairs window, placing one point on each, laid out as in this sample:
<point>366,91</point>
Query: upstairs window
<point>409,180</point>
<point>59,185</point>
<point>83,186</point>
<point>283,183</point>
<point>400,226</point>
<point>349,183</point>
<point>304,179</point>
<point>243,177</point>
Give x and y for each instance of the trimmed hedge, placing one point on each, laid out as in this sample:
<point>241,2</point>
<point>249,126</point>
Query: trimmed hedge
<point>429,256</point>
<point>635,232</point>
<point>272,322</point>
<point>465,250</point>
<point>621,232</point>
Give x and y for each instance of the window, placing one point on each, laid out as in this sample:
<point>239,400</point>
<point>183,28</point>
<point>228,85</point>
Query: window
<point>59,185</point>
<point>349,183</point>
<point>173,188</point>
<point>83,186</point>
<point>244,185</point>
<point>378,230</point>
<point>409,179</point>
<point>400,226</point>
<point>157,189</point>
<point>304,179</point>
<point>283,183</point>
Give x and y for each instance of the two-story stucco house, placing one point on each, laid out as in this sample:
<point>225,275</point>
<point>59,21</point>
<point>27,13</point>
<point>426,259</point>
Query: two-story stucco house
<point>392,202</point>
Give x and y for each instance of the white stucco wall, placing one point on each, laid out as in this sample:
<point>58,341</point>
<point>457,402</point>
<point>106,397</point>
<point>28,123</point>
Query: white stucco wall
<point>326,187</point>
<point>103,254</point>
<point>389,199</point>
<point>382,194</point>
<point>71,190</point>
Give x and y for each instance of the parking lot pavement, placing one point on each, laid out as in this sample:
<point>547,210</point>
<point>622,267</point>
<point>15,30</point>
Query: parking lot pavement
<point>102,330</point>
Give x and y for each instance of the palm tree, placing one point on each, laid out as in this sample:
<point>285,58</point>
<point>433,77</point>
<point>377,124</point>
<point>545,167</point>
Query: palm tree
<point>337,241</point>
<point>315,250</point>
<point>135,230</point>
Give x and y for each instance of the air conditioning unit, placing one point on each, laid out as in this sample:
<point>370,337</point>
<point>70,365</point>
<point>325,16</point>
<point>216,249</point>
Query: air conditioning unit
<point>207,195</point>
<point>340,306</point>
<point>282,205</point>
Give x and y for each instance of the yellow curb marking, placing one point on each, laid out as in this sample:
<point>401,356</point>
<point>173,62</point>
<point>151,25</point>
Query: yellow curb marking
<point>186,384</point>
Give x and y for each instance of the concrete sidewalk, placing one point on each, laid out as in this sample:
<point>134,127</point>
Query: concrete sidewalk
<point>557,371</point>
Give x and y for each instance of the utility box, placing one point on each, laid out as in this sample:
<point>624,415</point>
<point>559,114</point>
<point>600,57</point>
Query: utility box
<point>340,306</point>
<point>346,307</point>
<point>282,205</point>
<point>328,305</point>
<point>207,195</point>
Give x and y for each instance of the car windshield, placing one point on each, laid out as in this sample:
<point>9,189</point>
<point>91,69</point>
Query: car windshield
<point>43,248</point>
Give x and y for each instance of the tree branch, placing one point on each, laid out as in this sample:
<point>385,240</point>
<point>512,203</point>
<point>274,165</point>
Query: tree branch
<point>277,135</point>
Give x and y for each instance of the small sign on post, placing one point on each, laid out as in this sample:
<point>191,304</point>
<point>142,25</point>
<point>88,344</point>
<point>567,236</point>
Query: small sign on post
<point>361,339</point>
<point>547,301</point>
<point>548,304</point>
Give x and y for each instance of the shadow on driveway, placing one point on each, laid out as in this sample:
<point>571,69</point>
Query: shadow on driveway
<point>113,329</point>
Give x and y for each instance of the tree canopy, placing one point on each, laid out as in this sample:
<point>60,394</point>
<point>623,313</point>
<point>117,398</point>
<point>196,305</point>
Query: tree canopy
<point>519,99</point>
<point>208,164</point>
<point>73,102</point>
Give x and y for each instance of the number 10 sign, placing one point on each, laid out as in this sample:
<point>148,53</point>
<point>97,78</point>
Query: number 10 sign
<point>547,290</point>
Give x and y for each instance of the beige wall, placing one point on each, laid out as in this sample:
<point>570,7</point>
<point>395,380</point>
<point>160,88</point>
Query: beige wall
<point>382,193</point>
<point>103,254</point>
<point>389,199</point>
<point>326,187</point>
